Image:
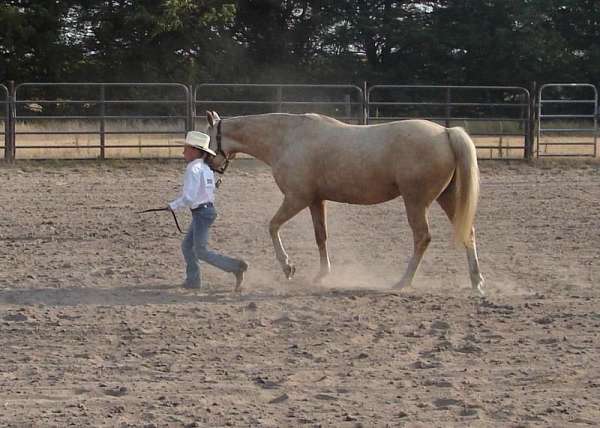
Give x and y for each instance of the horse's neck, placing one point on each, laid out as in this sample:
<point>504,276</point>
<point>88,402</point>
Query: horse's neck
<point>258,136</point>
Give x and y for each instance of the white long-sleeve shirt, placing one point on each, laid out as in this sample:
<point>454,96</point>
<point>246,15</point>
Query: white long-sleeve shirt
<point>198,186</point>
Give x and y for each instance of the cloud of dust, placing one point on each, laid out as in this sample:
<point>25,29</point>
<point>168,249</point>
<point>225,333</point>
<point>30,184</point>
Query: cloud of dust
<point>505,287</point>
<point>356,275</point>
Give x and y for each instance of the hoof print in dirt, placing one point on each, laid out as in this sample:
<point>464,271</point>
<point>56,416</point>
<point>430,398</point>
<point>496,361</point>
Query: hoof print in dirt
<point>266,383</point>
<point>117,391</point>
<point>16,317</point>
<point>280,399</point>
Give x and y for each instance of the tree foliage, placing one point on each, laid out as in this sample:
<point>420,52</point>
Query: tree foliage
<point>382,41</point>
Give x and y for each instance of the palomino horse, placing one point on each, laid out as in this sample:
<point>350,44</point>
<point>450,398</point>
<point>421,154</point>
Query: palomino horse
<point>315,158</point>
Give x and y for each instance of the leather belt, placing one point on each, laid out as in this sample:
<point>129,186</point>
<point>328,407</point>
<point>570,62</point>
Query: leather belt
<point>201,206</point>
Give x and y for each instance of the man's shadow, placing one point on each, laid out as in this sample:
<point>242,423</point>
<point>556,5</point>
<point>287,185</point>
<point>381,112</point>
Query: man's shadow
<point>156,294</point>
<point>129,295</point>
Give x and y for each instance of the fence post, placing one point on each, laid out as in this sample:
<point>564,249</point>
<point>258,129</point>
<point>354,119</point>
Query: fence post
<point>448,108</point>
<point>191,110</point>
<point>279,98</point>
<point>347,107</point>
<point>365,101</point>
<point>531,122</point>
<point>10,141</point>
<point>102,121</point>
<point>596,113</point>
<point>7,121</point>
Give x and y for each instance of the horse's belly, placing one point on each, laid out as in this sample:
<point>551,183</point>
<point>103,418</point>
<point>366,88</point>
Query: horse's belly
<point>360,193</point>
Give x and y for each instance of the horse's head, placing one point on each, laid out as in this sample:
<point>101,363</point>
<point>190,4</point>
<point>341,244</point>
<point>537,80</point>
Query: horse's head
<point>221,161</point>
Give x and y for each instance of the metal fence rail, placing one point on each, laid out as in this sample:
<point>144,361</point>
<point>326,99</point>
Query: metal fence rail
<point>501,112</point>
<point>571,109</point>
<point>4,103</point>
<point>93,106</point>
<point>344,102</point>
<point>503,120</point>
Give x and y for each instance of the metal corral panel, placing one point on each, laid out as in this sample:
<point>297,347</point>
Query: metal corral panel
<point>89,120</point>
<point>567,120</point>
<point>496,117</point>
<point>344,102</point>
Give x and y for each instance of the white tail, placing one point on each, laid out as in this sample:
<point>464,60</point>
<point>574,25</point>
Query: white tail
<point>466,184</point>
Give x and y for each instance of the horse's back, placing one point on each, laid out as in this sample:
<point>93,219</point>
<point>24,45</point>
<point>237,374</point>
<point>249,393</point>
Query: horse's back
<point>371,163</point>
<point>423,140</point>
<point>419,141</point>
<point>401,135</point>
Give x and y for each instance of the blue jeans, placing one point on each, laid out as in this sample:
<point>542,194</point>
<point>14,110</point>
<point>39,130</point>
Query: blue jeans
<point>194,247</point>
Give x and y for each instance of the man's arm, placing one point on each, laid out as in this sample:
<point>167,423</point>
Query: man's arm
<point>191,181</point>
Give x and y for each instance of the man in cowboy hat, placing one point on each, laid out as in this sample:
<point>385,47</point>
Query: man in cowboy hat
<point>198,195</point>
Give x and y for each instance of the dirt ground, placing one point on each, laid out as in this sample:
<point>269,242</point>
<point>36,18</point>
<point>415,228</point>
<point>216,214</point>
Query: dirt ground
<point>95,330</point>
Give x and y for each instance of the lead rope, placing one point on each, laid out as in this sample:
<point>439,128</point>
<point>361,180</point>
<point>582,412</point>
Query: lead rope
<point>163,209</point>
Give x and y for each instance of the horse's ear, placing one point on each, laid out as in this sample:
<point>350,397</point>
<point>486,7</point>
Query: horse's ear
<point>210,118</point>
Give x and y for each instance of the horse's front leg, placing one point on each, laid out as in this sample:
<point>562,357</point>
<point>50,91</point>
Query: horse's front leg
<point>319,218</point>
<point>288,209</point>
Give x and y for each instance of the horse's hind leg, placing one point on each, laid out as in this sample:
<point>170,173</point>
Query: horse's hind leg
<point>288,209</point>
<point>447,202</point>
<point>476,277</point>
<point>417,219</point>
<point>318,213</point>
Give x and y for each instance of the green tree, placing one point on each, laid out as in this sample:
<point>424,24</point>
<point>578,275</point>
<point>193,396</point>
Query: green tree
<point>382,41</point>
<point>32,40</point>
<point>116,40</point>
<point>279,38</point>
<point>499,42</point>
<point>578,24</point>
<point>150,40</point>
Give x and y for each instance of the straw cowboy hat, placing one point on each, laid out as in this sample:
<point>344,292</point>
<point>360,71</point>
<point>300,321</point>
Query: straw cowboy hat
<point>198,140</point>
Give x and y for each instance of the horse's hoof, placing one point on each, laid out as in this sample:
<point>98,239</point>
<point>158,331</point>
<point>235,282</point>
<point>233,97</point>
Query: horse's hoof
<point>477,283</point>
<point>477,291</point>
<point>318,280</point>
<point>399,285</point>
<point>289,271</point>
